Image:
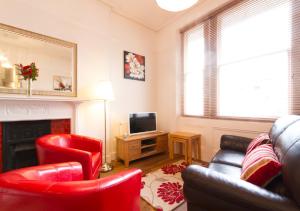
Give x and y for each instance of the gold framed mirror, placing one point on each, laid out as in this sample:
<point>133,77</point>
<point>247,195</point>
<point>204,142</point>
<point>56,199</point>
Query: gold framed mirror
<point>55,59</point>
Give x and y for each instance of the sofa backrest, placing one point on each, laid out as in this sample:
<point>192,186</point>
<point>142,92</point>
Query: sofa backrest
<point>285,137</point>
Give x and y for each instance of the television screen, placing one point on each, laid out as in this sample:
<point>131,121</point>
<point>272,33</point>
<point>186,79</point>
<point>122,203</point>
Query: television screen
<point>142,122</point>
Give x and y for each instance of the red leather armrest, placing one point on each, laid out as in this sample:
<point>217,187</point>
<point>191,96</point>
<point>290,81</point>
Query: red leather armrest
<point>55,154</point>
<point>126,186</point>
<point>39,178</point>
<point>86,143</point>
<point>117,192</point>
<point>63,152</point>
<point>57,172</point>
<point>114,180</point>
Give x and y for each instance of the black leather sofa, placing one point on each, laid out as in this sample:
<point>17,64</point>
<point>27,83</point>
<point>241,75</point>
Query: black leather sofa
<point>219,186</point>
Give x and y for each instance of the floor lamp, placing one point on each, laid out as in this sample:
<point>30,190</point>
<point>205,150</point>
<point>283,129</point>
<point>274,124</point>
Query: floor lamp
<point>105,92</point>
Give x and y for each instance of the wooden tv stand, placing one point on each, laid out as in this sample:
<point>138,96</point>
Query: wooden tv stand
<point>140,146</point>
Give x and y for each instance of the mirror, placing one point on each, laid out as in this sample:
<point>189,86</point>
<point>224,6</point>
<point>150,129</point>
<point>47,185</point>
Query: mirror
<point>55,59</point>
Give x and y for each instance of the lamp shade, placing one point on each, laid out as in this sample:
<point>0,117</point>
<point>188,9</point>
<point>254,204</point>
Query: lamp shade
<point>104,91</point>
<point>175,5</point>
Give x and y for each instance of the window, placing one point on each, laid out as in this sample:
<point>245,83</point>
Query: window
<point>193,71</point>
<point>251,62</point>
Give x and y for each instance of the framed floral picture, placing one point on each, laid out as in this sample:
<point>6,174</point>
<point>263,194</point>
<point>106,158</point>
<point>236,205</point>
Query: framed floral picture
<point>134,66</point>
<point>62,83</point>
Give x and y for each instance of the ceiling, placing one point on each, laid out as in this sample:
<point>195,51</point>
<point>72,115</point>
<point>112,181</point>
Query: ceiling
<point>145,12</point>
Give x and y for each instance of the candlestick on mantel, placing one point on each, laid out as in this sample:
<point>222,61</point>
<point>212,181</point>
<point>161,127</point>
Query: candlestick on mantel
<point>10,77</point>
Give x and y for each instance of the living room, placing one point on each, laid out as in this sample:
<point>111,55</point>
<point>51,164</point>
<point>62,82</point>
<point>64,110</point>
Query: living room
<point>101,36</point>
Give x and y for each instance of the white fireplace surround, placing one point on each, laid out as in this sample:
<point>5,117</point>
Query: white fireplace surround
<point>22,108</point>
<point>37,109</point>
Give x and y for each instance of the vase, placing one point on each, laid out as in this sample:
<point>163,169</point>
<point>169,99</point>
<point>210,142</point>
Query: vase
<point>29,90</point>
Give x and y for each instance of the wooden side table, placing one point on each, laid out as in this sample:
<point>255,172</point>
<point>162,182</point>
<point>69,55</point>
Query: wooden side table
<point>187,140</point>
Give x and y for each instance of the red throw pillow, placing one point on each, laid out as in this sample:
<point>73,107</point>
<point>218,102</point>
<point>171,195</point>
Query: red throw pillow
<point>261,165</point>
<point>259,140</point>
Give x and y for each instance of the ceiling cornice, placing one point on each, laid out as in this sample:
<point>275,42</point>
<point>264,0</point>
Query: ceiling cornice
<point>114,8</point>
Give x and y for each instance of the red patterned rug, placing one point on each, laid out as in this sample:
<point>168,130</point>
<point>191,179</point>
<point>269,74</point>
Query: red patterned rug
<point>163,188</point>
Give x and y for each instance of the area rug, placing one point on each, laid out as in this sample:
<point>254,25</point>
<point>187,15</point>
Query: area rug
<point>163,188</point>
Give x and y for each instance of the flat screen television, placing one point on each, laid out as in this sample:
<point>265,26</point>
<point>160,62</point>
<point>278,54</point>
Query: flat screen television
<point>143,122</point>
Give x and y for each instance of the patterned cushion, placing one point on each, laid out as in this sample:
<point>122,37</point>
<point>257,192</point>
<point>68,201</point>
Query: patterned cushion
<point>261,165</point>
<point>259,140</point>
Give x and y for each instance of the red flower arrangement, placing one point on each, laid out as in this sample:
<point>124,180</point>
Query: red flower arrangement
<point>30,72</point>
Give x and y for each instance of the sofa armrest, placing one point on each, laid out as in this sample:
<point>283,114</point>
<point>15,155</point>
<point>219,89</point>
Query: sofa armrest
<point>120,191</point>
<point>237,143</point>
<point>54,154</point>
<point>87,143</point>
<point>127,185</point>
<point>57,172</point>
<point>223,192</point>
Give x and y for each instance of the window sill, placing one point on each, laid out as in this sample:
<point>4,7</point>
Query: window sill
<point>247,119</point>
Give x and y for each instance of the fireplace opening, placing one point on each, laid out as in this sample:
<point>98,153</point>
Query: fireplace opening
<point>18,142</point>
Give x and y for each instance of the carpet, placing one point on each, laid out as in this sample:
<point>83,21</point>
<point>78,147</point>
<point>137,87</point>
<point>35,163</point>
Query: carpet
<point>163,188</point>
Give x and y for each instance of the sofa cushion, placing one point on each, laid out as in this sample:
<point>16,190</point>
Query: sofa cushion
<point>257,141</point>
<point>277,186</point>
<point>230,157</point>
<point>261,165</point>
<point>229,170</point>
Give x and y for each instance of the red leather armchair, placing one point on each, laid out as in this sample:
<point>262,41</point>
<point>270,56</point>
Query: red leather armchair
<point>67,148</point>
<point>59,187</point>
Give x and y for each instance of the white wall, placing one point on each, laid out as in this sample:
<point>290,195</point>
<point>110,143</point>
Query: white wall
<point>101,37</point>
<point>168,89</point>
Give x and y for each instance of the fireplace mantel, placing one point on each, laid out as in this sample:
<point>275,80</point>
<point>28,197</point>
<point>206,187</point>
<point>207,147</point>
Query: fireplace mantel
<point>40,98</point>
<point>23,108</point>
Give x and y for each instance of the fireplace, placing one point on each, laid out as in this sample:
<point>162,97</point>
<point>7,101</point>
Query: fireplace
<point>18,140</point>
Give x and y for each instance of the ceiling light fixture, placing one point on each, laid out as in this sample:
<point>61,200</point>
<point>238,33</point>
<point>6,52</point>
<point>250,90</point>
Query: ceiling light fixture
<point>175,5</point>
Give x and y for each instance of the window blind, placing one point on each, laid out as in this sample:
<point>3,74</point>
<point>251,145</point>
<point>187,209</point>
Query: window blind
<point>251,60</point>
<point>294,95</point>
<point>194,61</point>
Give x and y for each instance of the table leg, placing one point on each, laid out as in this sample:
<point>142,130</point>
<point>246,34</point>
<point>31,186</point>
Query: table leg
<point>171,149</point>
<point>186,152</point>
<point>189,143</point>
<point>126,163</point>
<point>195,148</point>
<point>199,148</point>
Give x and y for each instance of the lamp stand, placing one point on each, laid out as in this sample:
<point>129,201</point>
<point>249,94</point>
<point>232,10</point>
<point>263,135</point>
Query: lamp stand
<point>106,167</point>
